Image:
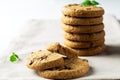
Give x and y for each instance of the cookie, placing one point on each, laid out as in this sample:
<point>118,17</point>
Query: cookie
<point>42,60</point>
<point>90,51</point>
<point>83,44</point>
<point>75,10</point>
<point>84,37</point>
<point>58,48</point>
<point>73,68</point>
<point>83,29</point>
<point>81,21</point>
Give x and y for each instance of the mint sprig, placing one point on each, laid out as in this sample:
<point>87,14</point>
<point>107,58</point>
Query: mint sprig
<point>86,3</point>
<point>94,3</point>
<point>89,3</point>
<point>14,57</point>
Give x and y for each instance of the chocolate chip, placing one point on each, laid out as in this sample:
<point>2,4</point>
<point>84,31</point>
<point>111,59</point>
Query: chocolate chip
<point>64,50</point>
<point>65,58</point>
<point>66,67</point>
<point>31,62</point>
<point>57,51</point>
<point>91,44</point>
<point>44,57</point>
<point>40,58</point>
<point>85,60</point>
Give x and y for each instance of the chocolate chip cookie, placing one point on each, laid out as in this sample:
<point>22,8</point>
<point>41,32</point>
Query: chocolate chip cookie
<point>76,10</point>
<point>90,51</point>
<point>44,59</point>
<point>83,44</point>
<point>81,21</point>
<point>58,48</point>
<point>73,68</point>
<point>84,37</point>
<point>83,29</point>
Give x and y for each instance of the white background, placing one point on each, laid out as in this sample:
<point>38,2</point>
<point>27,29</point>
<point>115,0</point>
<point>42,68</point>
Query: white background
<point>14,14</point>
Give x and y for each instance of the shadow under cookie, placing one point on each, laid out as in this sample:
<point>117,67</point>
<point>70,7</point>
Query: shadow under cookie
<point>112,50</point>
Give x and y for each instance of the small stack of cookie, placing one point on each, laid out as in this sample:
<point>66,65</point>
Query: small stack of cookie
<point>57,62</point>
<point>83,29</point>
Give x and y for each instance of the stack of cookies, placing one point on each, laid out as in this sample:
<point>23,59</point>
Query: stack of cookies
<point>83,29</point>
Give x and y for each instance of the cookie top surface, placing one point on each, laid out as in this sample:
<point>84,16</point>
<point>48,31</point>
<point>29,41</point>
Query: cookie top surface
<point>76,10</point>
<point>44,56</point>
<point>73,64</point>
<point>58,48</point>
<point>84,8</point>
<point>36,60</point>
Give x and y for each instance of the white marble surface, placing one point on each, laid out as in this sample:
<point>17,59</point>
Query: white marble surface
<point>14,14</point>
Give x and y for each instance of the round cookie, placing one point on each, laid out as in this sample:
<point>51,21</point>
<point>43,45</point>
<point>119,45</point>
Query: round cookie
<point>84,37</point>
<point>75,10</point>
<point>73,68</point>
<point>81,21</point>
<point>83,44</point>
<point>58,48</point>
<point>90,51</point>
<point>83,29</point>
<point>42,60</point>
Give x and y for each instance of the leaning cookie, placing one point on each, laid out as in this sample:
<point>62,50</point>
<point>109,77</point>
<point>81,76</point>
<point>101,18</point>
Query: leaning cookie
<point>42,60</point>
<point>58,48</point>
<point>73,68</point>
<point>83,29</point>
<point>90,51</point>
<point>83,44</point>
<point>84,37</point>
<point>76,10</point>
<point>81,21</point>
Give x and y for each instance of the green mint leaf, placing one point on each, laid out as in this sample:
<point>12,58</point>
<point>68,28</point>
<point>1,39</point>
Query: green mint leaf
<point>86,3</point>
<point>89,3</point>
<point>94,3</point>
<point>15,54</point>
<point>14,57</point>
